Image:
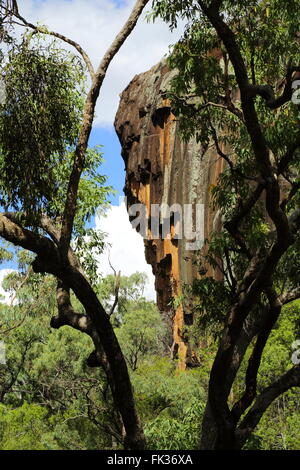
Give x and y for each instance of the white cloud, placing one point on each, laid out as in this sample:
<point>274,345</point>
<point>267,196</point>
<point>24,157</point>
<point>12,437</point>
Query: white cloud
<point>126,253</point>
<point>94,24</point>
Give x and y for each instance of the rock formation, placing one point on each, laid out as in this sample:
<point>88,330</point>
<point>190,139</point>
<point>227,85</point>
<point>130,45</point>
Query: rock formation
<point>162,169</point>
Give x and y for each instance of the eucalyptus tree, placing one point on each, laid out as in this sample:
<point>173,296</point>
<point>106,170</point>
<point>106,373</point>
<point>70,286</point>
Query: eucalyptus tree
<point>237,85</point>
<point>49,184</point>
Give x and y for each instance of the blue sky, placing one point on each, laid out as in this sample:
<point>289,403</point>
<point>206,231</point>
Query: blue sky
<point>94,24</point>
<point>113,166</point>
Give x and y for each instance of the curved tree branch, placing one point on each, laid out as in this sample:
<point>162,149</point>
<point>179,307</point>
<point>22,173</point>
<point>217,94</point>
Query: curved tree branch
<point>263,401</point>
<point>29,240</point>
<point>261,267</point>
<point>290,296</point>
<point>268,323</point>
<point>267,92</point>
<point>40,29</point>
<point>79,157</point>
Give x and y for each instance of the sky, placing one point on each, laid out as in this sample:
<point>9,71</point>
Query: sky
<point>94,24</point>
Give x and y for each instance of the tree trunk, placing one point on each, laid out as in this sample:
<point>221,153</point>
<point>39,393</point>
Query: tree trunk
<point>121,388</point>
<point>216,437</point>
<point>116,366</point>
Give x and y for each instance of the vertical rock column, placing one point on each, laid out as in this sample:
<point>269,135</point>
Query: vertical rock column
<point>162,169</point>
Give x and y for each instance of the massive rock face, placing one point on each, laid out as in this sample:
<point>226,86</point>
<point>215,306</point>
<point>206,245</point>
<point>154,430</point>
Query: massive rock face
<point>162,169</point>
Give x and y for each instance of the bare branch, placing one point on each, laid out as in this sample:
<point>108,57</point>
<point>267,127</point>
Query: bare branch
<point>77,46</point>
<point>228,107</point>
<point>34,242</point>
<point>233,224</point>
<point>285,160</point>
<point>294,190</point>
<point>267,92</point>
<point>233,281</point>
<point>263,401</point>
<point>79,157</point>
<point>290,296</point>
<point>50,228</point>
<point>68,317</point>
<point>268,323</point>
<point>66,314</point>
<point>116,288</point>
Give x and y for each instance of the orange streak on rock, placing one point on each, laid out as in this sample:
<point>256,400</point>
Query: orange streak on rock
<point>160,168</point>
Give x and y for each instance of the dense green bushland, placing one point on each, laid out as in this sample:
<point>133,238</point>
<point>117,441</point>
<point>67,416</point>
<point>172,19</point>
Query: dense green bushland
<point>50,399</point>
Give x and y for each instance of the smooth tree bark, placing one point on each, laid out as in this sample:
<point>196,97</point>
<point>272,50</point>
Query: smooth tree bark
<point>55,256</point>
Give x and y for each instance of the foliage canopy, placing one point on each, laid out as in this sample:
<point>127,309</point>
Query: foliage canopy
<point>39,120</point>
